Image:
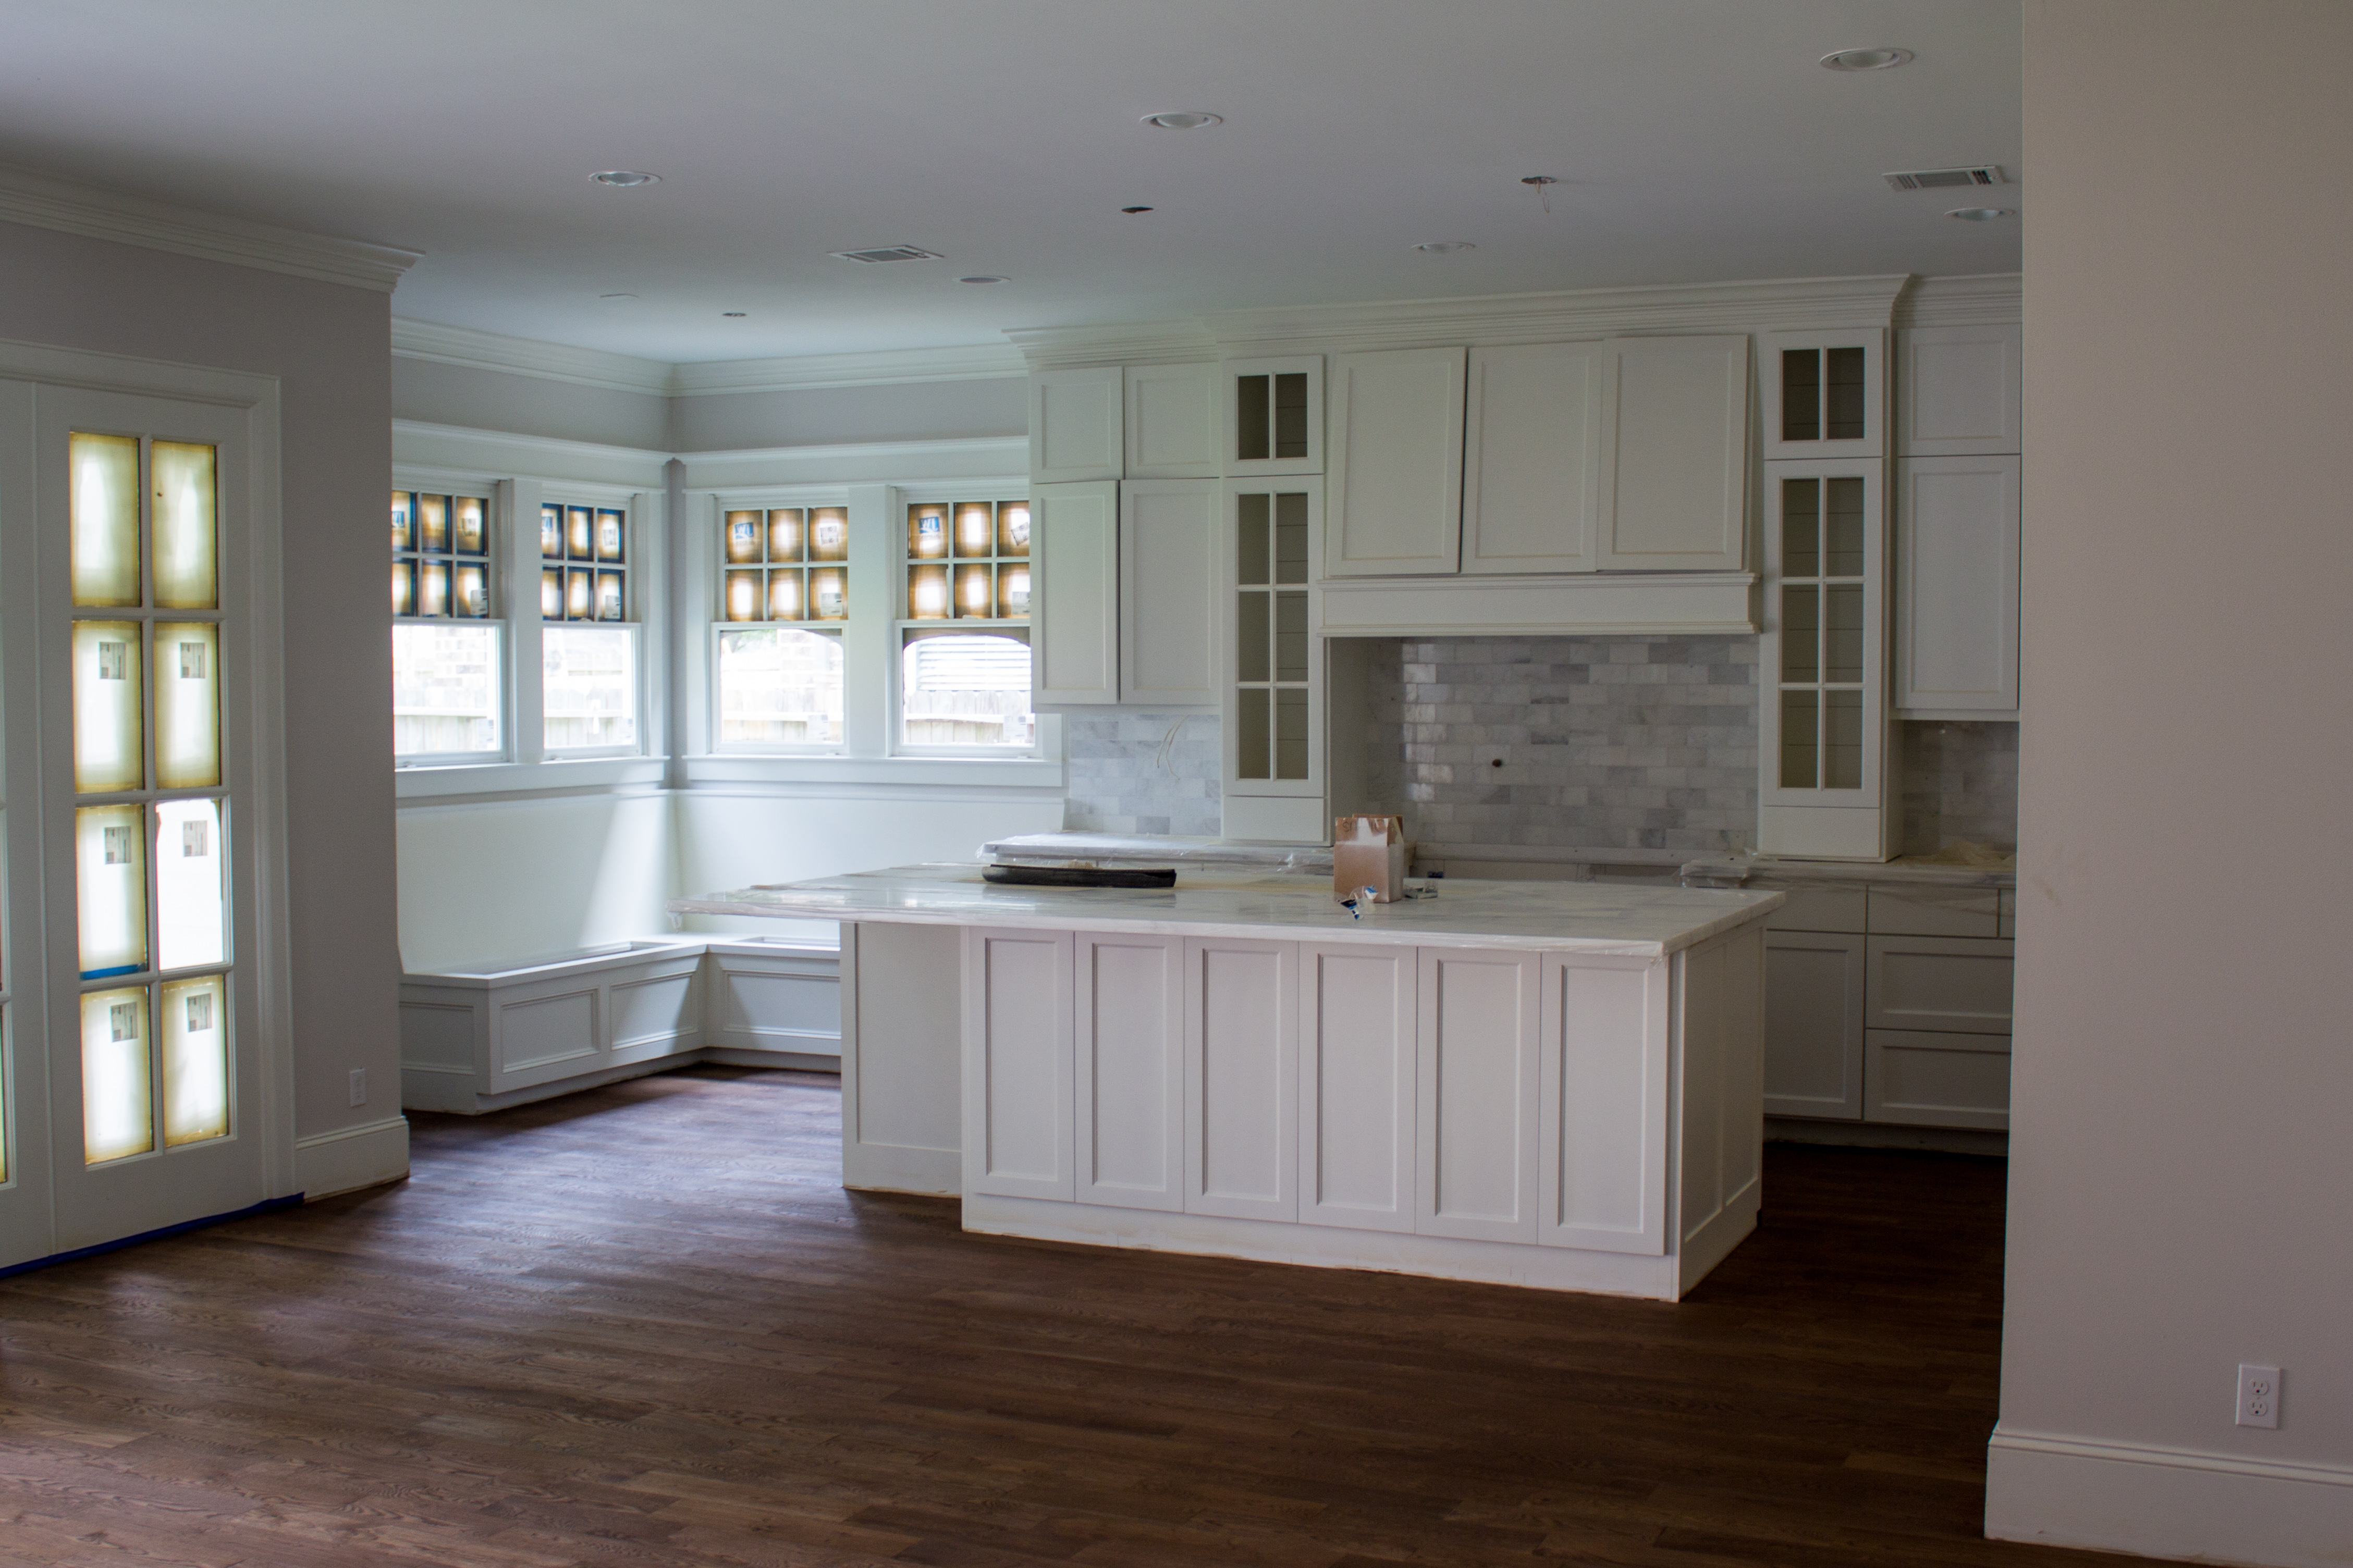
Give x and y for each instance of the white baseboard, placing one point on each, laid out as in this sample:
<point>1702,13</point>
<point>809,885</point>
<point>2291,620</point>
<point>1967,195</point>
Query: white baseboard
<point>352,1158</point>
<point>2058,1490</point>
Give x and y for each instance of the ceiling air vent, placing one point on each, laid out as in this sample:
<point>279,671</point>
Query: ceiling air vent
<point>890,253</point>
<point>1946,179</point>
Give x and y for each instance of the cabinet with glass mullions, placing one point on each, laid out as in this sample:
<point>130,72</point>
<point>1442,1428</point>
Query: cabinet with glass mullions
<point>1825,394</point>
<point>440,556</point>
<point>784,563</point>
<point>584,563</point>
<point>150,815</point>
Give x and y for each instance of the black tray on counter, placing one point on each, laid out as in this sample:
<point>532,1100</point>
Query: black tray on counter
<point>1078,877</point>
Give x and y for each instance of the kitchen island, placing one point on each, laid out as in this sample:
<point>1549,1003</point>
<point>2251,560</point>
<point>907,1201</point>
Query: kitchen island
<point>1540,1084</point>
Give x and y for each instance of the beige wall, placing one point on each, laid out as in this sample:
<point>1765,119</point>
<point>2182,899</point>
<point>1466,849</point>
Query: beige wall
<point>329,346</point>
<point>2182,1137</point>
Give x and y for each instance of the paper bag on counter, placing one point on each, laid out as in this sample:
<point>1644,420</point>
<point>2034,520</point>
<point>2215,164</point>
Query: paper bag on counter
<point>1368,852</point>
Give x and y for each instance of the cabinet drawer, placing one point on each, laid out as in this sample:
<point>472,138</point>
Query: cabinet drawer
<point>1948,984</point>
<point>1935,1080</point>
<point>1819,909</point>
<point>1813,1024</point>
<point>1935,912</point>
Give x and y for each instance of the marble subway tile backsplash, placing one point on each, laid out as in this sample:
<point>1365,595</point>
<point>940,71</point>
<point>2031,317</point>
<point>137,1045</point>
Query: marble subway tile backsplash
<point>1129,773</point>
<point>1959,781</point>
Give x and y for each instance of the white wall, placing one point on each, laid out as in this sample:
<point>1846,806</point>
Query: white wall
<point>2181,1137</point>
<point>329,346</point>
<point>433,393</point>
<point>492,883</point>
<point>816,417</point>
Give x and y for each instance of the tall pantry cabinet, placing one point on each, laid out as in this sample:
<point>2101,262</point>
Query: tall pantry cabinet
<point>1958,446</point>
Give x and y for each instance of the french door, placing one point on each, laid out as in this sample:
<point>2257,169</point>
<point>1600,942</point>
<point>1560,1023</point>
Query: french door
<point>139,1088</point>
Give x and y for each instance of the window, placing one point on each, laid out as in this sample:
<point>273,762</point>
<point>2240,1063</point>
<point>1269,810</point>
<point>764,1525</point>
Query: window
<point>784,595</point>
<point>151,805</point>
<point>445,648</point>
<point>967,686</point>
<point>589,662</point>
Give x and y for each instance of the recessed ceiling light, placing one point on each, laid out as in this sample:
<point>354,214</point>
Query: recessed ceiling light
<point>731,314</point>
<point>1873,59</point>
<point>1136,209</point>
<point>1184,120</point>
<point>1980,215</point>
<point>1445,247</point>
<point>983,278</point>
<point>624,178</point>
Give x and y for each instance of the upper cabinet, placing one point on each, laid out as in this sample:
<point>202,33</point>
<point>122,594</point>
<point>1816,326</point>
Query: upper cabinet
<point>1674,454</point>
<point>1396,474</point>
<point>1167,593</point>
<point>1956,539</point>
<point>1532,486</point>
<point>1958,392</point>
<point>1173,428</point>
<point>1825,394</point>
<point>1273,415</point>
<point>1074,593</point>
<point>1075,424</point>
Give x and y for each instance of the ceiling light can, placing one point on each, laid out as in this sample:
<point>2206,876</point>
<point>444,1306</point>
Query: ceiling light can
<point>623,179</point>
<point>1980,215</point>
<point>983,277</point>
<point>1445,247</point>
<point>1184,120</point>
<point>1878,58</point>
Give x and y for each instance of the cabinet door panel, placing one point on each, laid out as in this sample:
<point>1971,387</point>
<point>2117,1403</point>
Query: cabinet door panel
<point>1674,474</point>
<point>1076,428</point>
<point>1939,1081</point>
<point>1129,1017</point>
<point>1396,498</point>
<point>1017,1057</point>
<point>1475,1151</point>
<point>1074,593</point>
<point>1241,1070</point>
<point>1167,569</point>
<point>1272,415</point>
<point>1825,393</point>
<point>1532,479</point>
<point>1357,1086</point>
<point>1957,391</point>
<point>1813,1024</point>
<point>1944,984</point>
<point>1602,1136</point>
<point>1172,422</point>
<point>1956,543</point>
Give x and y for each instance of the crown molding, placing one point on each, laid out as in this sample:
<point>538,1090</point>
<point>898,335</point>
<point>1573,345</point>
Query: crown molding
<point>43,202</point>
<point>1990,300</point>
<point>1769,304</point>
<point>1129,343</point>
<point>478,350</point>
<point>986,459</point>
<point>883,367</point>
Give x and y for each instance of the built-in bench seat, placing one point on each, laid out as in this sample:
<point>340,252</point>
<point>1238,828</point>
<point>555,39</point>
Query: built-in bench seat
<point>477,1040</point>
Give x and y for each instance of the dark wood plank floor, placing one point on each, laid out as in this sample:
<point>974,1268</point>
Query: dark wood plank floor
<point>642,1326</point>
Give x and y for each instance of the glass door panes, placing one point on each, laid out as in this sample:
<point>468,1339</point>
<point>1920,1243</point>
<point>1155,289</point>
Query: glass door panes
<point>584,563</point>
<point>1823,395</point>
<point>1272,648</point>
<point>151,816</point>
<point>588,665</point>
<point>1824,645</point>
<point>1271,416</point>
<point>777,673</point>
<point>967,686</point>
<point>445,669</point>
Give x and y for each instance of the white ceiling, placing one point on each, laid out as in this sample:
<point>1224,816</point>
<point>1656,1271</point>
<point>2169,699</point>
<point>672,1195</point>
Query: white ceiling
<point>1696,140</point>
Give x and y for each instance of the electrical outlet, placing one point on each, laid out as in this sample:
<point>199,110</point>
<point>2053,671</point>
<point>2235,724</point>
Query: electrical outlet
<point>2259,1395</point>
<point>359,1086</point>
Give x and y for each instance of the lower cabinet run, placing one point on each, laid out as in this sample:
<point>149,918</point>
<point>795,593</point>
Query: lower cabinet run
<point>1565,1119</point>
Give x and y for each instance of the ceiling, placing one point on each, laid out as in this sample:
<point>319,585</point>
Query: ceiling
<point>1694,140</point>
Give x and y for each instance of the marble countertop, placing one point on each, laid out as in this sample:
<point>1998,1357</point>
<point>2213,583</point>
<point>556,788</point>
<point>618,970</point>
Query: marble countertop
<point>1154,849</point>
<point>1582,917</point>
<point>1741,869</point>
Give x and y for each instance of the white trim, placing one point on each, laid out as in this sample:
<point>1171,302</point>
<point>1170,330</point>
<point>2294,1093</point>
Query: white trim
<point>351,1158</point>
<point>1134,342</point>
<point>41,201</point>
<point>1592,603</point>
<point>876,367</point>
<point>543,361</point>
<point>834,770</point>
<point>1992,300</point>
<point>2163,1502</point>
<point>975,460</point>
<point>558,775</point>
<point>462,452</point>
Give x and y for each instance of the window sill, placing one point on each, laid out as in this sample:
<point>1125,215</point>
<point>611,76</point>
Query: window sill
<point>447,782</point>
<point>1010,772</point>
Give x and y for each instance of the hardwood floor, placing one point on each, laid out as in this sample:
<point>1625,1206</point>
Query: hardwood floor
<point>643,1326</point>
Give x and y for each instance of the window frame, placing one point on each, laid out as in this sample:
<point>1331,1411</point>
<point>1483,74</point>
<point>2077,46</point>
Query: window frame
<point>709,529</point>
<point>502,610</point>
<point>895,743</point>
<point>637,596</point>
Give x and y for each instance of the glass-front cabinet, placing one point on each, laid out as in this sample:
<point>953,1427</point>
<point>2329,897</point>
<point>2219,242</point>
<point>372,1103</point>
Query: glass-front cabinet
<point>1823,732</point>
<point>1825,394</point>
<point>1273,662</point>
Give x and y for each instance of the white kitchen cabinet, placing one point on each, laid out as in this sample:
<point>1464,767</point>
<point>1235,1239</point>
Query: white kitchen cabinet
<point>1674,455</point>
<point>1076,427</point>
<point>1822,724</point>
<point>1074,593</point>
<point>1933,910</point>
<point>1933,1080</point>
<point>1956,562</point>
<point>1356,1075</point>
<point>1395,476</point>
<point>1241,1077</point>
<point>1128,1033</point>
<point>1957,391</point>
<point>1272,415</point>
<point>1825,394</point>
<point>1602,1115</point>
<point>1172,422</point>
<point>1813,1024</point>
<point>1532,456</point>
<point>1475,1155</point>
<point>1273,665</point>
<point>1167,608</point>
<point>769,1003</point>
<point>1017,1129</point>
<point>1939,984</point>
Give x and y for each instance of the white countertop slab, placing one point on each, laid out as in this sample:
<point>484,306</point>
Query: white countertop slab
<point>1154,849</point>
<point>1767,868</point>
<point>1582,917</point>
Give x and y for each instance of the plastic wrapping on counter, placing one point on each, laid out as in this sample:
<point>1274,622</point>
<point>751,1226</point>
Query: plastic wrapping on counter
<point>1110,849</point>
